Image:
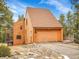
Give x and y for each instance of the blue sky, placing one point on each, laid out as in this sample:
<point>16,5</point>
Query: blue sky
<point>57,7</point>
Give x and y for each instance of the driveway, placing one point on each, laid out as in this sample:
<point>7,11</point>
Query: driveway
<point>71,50</point>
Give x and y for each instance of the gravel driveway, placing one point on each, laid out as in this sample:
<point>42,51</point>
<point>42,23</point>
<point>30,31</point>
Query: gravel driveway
<point>71,50</point>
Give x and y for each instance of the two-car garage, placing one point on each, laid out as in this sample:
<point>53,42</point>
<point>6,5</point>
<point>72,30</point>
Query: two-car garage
<point>48,35</point>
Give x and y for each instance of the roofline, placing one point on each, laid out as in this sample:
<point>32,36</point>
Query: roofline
<point>47,27</point>
<point>37,8</point>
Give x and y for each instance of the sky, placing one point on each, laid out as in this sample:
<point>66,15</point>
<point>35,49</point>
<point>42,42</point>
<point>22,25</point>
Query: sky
<point>57,7</point>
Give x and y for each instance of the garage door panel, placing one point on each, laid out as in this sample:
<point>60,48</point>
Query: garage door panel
<point>58,35</point>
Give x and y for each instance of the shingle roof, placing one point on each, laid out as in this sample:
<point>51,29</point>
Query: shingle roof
<point>42,18</point>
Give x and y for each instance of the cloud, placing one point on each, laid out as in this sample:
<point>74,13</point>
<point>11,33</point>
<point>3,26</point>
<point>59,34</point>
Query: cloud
<point>59,6</point>
<point>17,8</point>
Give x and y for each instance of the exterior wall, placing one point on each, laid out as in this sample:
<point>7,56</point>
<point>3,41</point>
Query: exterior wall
<point>29,29</point>
<point>18,31</point>
<point>25,28</point>
<point>62,34</point>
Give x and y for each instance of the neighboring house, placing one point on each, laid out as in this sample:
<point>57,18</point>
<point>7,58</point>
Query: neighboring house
<point>39,25</point>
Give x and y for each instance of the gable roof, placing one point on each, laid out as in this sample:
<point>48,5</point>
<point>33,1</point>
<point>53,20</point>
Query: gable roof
<point>42,18</point>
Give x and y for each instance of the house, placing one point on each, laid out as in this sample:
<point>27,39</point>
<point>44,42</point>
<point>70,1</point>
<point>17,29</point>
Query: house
<point>39,25</point>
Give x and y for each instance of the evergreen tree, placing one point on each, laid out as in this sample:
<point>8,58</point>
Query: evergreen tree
<point>75,4</point>
<point>5,18</point>
<point>21,17</point>
<point>62,21</point>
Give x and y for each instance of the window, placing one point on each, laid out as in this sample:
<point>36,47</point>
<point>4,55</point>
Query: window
<point>21,27</point>
<point>18,37</point>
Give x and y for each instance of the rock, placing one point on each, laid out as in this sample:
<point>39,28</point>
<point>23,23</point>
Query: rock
<point>31,58</point>
<point>46,57</point>
<point>3,44</point>
<point>15,57</point>
<point>31,54</point>
<point>67,41</point>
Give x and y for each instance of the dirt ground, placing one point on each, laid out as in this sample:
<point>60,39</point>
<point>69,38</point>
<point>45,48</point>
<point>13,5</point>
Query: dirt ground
<point>71,50</point>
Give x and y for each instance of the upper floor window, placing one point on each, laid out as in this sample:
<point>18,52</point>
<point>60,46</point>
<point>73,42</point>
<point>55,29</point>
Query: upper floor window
<point>21,27</point>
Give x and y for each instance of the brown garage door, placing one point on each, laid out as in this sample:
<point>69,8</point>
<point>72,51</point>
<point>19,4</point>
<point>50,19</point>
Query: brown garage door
<point>47,35</point>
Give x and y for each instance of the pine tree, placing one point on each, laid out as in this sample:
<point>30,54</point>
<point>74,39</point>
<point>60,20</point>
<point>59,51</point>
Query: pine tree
<point>62,21</point>
<point>5,18</point>
<point>75,4</point>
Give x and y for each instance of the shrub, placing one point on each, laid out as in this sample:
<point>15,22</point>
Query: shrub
<point>4,51</point>
<point>76,36</point>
